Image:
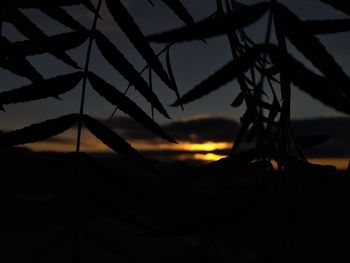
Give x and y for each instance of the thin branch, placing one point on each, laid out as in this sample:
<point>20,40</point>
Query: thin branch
<point>86,70</point>
<point>285,92</point>
<point>147,66</point>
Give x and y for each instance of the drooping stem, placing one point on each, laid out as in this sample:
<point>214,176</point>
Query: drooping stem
<point>86,70</point>
<point>285,92</point>
<point>147,66</point>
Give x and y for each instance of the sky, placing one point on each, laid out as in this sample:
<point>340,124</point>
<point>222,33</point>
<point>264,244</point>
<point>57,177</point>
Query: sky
<point>192,62</point>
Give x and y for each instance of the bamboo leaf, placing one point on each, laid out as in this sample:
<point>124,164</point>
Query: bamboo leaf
<point>129,107</point>
<point>220,8</point>
<point>26,27</point>
<point>16,63</point>
<point>48,248</point>
<point>41,89</point>
<point>180,10</point>
<point>251,133</point>
<point>123,66</point>
<point>62,42</point>
<point>222,76</point>
<point>318,27</point>
<point>150,2</point>
<point>89,5</point>
<point>62,16</point>
<point>114,141</point>
<point>246,120</point>
<point>20,66</point>
<point>341,5</point>
<point>171,75</point>
<point>238,100</point>
<point>39,131</point>
<point>220,25</point>
<point>133,32</point>
<point>319,87</point>
<point>311,141</point>
<point>311,47</point>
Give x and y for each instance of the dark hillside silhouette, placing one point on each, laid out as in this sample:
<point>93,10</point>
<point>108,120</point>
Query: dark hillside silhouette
<point>72,208</point>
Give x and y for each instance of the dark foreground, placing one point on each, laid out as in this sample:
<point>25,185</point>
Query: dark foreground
<point>108,210</point>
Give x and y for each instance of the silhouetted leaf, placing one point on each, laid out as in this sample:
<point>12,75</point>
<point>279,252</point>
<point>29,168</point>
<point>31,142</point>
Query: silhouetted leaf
<point>15,61</point>
<point>311,141</point>
<point>39,131</point>
<point>341,5</point>
<point>129,107</point>
<point>327,26</point>
<point>150,2</point>
<point>312,48</point>
<point>238,100</point>
<point>65,41</point>
<point>274,109</point>
<point>61,238</point>
<point>222,76</point>
<point>106,243</point>
<point>41,89</point>
<point>89,5</point>
<point>220,8</point>
<point>62,16</point>
<point>114,141</point>
<point>180,10</point>
<point>273,70</point>
<point>251,133</point>
<point>26,27</point>
<point>120,63</point>
<point>171,75</point>
<point>315,85</point>
<point>20,68</point>
<point>220,25</point>
<point>133,32</point>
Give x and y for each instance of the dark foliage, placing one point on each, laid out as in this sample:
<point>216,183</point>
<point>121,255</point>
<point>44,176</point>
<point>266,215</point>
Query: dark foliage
<point>217,212</point>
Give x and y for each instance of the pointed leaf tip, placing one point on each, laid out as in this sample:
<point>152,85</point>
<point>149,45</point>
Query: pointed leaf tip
<point>180,10</point>
<point>115,142</point>
<point>126,105</point>
<point>224,75</point>
<point>42,89</point>
<point>137,38</point>
<point>342,5</point>
<point>38,132</point>
<point>220,25</point>
<point>123,66</point>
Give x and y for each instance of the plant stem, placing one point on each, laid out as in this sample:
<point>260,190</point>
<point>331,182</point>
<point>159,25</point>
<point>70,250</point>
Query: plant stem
<point>285,92</point>
<point>86,70</point>
<point>147,66</point>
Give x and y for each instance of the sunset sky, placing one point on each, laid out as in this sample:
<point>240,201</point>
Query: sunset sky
<point>192,62</point>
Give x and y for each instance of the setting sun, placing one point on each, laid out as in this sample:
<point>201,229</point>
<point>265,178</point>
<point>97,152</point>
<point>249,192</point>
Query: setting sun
<point>182,146</point>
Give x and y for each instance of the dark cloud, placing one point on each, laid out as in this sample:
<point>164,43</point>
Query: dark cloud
<point>204,129</point>
<point>218,129</point>
<point>337,128</point>
<point>196,130</point>
<point>61,140</point>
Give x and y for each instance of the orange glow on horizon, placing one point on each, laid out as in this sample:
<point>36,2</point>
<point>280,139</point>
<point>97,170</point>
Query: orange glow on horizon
<point>202,152</point>
<point>182,146</point>
<point>339,163</point>
<point>208,157</point>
